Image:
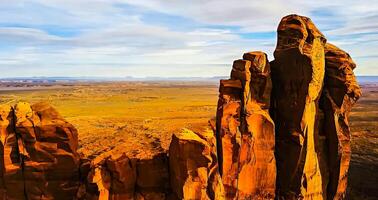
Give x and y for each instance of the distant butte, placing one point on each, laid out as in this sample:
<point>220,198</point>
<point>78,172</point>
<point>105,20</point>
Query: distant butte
<point>281,131</point>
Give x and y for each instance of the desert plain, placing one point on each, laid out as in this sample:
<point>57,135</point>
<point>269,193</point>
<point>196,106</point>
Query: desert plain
<point>140,118</point>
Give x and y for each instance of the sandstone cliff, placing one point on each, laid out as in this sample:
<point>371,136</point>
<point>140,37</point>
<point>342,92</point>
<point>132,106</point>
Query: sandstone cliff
<point>340,93</point>
<point>313,90</point>
<point>245,130</point>
<point>297,76</point>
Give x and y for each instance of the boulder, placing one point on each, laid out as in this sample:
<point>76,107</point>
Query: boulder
<point>340,93</point>
<point>193,166</point>
<point>114,175</point>
<point>153,177</point>
<point>297,76</point>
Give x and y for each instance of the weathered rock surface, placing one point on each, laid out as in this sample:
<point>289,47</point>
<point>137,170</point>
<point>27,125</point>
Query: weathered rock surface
<point>114,175</point>
<point>38,153</point>
<point>297,76</point>
<point>245,131</point>
<point>257,166</point>
<point>228,133</point>
<point>340,93</point>
<point>193,166</point>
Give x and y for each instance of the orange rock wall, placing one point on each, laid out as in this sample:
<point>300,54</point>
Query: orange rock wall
<point>116,176</point>
<point>340,93</point>
<point>257,168</point>
<point>245,130</point>
<point>193,166</point>
<point>38,153</point>
<point>228,133</point>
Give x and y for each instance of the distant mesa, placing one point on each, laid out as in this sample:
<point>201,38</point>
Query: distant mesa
<point>281,131</point>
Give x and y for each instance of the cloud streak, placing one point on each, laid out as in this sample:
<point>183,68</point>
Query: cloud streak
<point>165,38</point>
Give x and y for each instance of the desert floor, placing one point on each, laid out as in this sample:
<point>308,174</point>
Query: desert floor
<point>140,117</point>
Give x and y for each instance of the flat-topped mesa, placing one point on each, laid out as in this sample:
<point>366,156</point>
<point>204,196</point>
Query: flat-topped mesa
<point>340,93</point>
<point>297,76</point>
<point>39,153</point>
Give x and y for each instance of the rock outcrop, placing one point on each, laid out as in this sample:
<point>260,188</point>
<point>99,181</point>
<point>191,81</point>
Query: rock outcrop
<point>228,133</point>
<point>340,93</point>
<point>257,166</point>
<point>281,131</point>
<point>309,90</point>
<point>193,166</point>
<point>245,130</point>
<point>297,76</point>
<point>114,175</point>
<point>38,153</point>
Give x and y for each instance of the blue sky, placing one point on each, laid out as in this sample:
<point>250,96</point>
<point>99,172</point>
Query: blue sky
<point>167,38</point>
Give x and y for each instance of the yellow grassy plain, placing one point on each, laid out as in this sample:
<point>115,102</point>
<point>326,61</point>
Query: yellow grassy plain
<point>140,117</point>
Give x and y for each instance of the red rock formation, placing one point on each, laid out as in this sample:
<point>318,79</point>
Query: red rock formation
<point>340,93</point>
<point>193,166</point>
<point>116,176</point>
<point>257,166</point>
<point>38,153</point>
<point>228,134</point>
<point>245,131</point>
<point>297,76</point>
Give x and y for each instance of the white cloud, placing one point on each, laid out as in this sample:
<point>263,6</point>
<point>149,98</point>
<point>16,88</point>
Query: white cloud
<point>108,34</point>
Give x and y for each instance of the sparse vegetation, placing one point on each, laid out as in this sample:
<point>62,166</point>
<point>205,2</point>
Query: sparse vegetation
<point>141,117</point>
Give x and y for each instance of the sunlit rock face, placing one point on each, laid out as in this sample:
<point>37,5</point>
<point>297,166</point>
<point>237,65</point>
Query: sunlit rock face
<point>286,121</point>
<point>340,92</point>
<point>39,157</point>
<point>114,175</point>
<point>245,131</point>
<point>228,133</point>
<point>193,166</point>
<point>257,167</point>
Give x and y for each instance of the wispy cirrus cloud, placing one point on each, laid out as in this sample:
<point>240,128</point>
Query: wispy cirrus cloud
<point>166,38</point>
